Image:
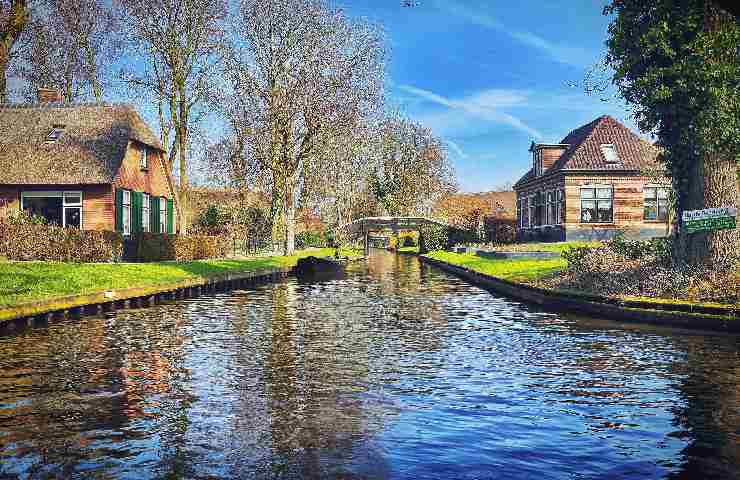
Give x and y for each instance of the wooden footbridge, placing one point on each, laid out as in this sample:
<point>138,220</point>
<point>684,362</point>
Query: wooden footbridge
<point>361,228</point>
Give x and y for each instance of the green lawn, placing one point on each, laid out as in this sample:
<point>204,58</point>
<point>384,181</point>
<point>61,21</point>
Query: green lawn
<point>22,282</point>
<point>515,269</point>
<point>558,247</point>
<point>408,250</point>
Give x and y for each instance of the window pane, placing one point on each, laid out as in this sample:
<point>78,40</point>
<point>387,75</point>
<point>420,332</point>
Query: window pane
<point>605,210</point>
<point>588,211</point>
<point>48,207</point>
<point>588,193</point>
<point>73,217</point>
<point>604,193</point>
<point>651,211</point>
<point>662,213</point>
<point>72,198</point>
<point>663,193</point>
<point>560,194</point>
<point>650,193</point>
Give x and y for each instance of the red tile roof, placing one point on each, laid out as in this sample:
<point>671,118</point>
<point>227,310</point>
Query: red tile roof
<point>584,151</point>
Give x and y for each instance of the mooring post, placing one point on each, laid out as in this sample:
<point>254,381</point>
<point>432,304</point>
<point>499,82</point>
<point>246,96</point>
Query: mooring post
<point>367,243</point>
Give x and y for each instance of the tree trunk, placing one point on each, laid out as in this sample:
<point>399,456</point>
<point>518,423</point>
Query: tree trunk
<point>289,221</point>
<point>714,185</point>
<point>183,191</point>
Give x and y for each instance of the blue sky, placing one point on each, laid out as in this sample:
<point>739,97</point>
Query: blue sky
<point>490,76</point>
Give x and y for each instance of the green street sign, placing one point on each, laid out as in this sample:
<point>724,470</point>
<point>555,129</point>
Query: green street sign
<point>710,219</point>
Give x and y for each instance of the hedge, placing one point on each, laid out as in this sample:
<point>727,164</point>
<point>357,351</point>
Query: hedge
<point>21,240</point>
<point>150,247</point>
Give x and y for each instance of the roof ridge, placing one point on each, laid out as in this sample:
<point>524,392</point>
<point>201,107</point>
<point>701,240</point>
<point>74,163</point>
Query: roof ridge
<point>61,105</point>
<point>594,125</point>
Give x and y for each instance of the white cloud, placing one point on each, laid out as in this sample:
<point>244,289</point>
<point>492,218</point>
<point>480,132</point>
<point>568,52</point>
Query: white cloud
<point>456,148</point>
<point>566,54</point>
<point>485,105</point>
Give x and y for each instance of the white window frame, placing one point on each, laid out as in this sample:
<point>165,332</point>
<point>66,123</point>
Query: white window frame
<point>596,199</point>
<point>609,147</point>
<point>56,194</point>
<point>560,206</point>
<point>145,212</point>
<point>550,200</point>
<point>143,159</point>
<point>532,205</point>
<point>657,199</point>
<point>126,211</point>
<point>162,215</point>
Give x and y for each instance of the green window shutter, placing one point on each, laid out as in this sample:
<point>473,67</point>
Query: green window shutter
<point>137,203</point>
<point>119,210</point>
<point>170,220</point>
<point>154,215</point>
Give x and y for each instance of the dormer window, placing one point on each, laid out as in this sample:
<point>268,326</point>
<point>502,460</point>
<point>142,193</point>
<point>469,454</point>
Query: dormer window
<point>55,134</point>
<point>143,160</point>
<point>610,154</point>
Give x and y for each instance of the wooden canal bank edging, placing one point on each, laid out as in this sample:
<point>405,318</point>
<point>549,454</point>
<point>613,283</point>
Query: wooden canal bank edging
<point>723,319</point>
<point>29,314</point>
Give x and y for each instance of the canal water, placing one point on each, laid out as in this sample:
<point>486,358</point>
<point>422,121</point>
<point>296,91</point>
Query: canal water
<point>394,371</point>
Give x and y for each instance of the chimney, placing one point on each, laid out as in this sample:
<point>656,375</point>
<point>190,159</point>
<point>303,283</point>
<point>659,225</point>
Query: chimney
<point>48,95</point>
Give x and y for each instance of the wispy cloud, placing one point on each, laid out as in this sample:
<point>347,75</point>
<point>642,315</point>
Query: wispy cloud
<point>456,148</point>
<point>485,104</point>
<point>565,54</point>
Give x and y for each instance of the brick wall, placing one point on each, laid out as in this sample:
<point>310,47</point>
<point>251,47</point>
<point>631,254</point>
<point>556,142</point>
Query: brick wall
<point>153,180</point>
<point>628,208</point>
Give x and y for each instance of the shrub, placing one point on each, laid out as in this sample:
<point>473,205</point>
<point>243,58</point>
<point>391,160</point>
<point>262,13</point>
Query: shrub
<point>23,237</point>
<point>644,268</point>
<point>149,247</point>
<point>212,222</point>
<point>310,238</point>
<point>438,237</point>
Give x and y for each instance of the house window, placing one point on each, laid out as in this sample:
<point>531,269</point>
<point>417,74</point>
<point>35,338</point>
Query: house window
<point>597,204</point>
<point>610,154</point>
<point>551,208</point>
<point>656,203</point>
<point>143,161</point>
<point>57,208</point>
<point>561,207</point>
<point>55,134</point>
<point>145,212</point>
<point>126,208</point>
<point>532,210</point>
<point>162,215</point>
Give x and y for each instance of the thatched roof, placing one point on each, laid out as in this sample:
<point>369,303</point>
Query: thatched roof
<point>90,149</point>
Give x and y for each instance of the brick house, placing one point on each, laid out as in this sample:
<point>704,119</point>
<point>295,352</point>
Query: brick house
<point>598,180</point>
<point>89,166</point>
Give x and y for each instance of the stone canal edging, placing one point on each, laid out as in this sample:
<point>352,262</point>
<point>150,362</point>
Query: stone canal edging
<point>719,318</point>
<point>29,314</point>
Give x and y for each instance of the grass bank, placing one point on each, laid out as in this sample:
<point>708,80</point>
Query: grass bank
<point>23,282</point>
<point>524,270</point>
<point>556,247</point>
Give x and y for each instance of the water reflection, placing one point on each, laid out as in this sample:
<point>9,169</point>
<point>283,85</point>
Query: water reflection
<point>395,370</point>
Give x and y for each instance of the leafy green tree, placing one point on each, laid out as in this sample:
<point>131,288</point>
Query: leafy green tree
<point>677,62</point>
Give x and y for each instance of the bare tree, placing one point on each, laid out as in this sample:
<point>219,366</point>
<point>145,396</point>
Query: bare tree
<point>72,44</point>
<point>14,18</point>
<point>181,45</point>
<point>309,72</point>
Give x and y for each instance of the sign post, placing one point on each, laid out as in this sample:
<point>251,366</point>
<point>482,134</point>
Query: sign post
<point>710,219</point>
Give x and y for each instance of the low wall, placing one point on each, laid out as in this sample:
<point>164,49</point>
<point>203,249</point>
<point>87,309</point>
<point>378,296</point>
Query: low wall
<point>724,319</point>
